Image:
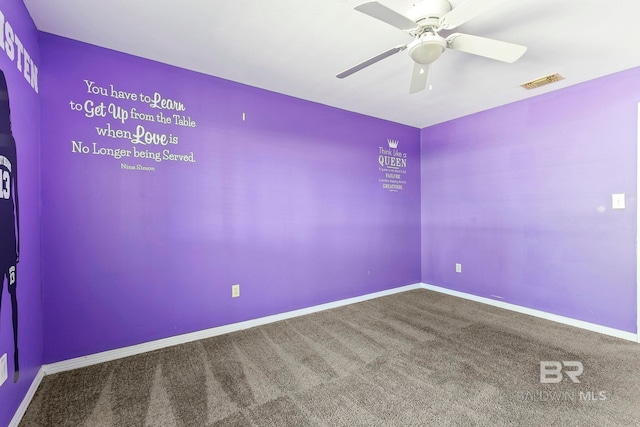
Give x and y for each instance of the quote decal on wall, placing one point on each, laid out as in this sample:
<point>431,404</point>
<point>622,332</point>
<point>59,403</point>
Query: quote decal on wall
<point>392,164</point>
<point>135,128</point>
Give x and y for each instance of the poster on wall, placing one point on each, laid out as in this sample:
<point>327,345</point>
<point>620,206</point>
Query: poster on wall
<point>139,130</point>
<point>9,215</point>
<point>392,165</point>
<point>19,69</point>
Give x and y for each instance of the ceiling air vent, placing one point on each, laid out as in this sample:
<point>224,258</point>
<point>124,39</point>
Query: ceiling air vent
<point>551,78</point>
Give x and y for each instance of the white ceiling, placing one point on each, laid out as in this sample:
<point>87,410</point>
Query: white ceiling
<point>296,47</point>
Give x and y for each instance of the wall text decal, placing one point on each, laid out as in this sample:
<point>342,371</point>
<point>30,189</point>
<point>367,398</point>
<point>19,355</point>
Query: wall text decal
<point>392,163</point>
<point>132,126</point>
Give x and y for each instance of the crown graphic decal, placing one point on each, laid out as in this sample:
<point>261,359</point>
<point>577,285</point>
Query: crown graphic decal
<point>393,143</point>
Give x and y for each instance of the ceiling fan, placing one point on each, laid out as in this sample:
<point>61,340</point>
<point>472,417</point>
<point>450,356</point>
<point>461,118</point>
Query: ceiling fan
<point>423,21</point>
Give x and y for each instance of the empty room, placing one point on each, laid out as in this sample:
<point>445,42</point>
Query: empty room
<point>330,213</point>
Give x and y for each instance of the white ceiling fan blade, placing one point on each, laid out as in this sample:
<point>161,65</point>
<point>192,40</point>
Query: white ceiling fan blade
<point>370,61</point>
<point>384,14</point>
<point>419,77</point>
<point>489,48</point>
<point>467,11</point>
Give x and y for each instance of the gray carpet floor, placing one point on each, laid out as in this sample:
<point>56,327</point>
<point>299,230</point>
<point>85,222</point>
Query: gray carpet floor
<point>411,359</point>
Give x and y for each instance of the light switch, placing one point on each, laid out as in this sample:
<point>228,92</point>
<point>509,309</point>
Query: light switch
<point>617,201</point>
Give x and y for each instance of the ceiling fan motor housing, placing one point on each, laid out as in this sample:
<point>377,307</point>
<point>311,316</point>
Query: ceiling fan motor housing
<point>428,12</point>
<point>427,48</point>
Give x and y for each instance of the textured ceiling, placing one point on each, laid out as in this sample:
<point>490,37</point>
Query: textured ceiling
<point>296,47</point>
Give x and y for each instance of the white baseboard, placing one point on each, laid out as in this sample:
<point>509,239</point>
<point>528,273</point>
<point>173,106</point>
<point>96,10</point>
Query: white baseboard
<point>17,417</point>
<point>93,359</point>
<point>106,356</point>
<point>538,313</point>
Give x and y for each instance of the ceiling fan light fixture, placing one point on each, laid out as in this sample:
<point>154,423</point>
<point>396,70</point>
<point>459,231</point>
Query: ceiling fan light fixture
<point>427,48</point>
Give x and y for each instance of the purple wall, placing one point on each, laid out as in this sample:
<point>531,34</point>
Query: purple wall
<point>288,203</point>
<point>19,36</point>
<point>521,196</point>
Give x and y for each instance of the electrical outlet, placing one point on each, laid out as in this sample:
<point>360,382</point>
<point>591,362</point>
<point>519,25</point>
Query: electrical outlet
<point>235,291</point>
<point>3,368</point>
<point>458,267</point>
